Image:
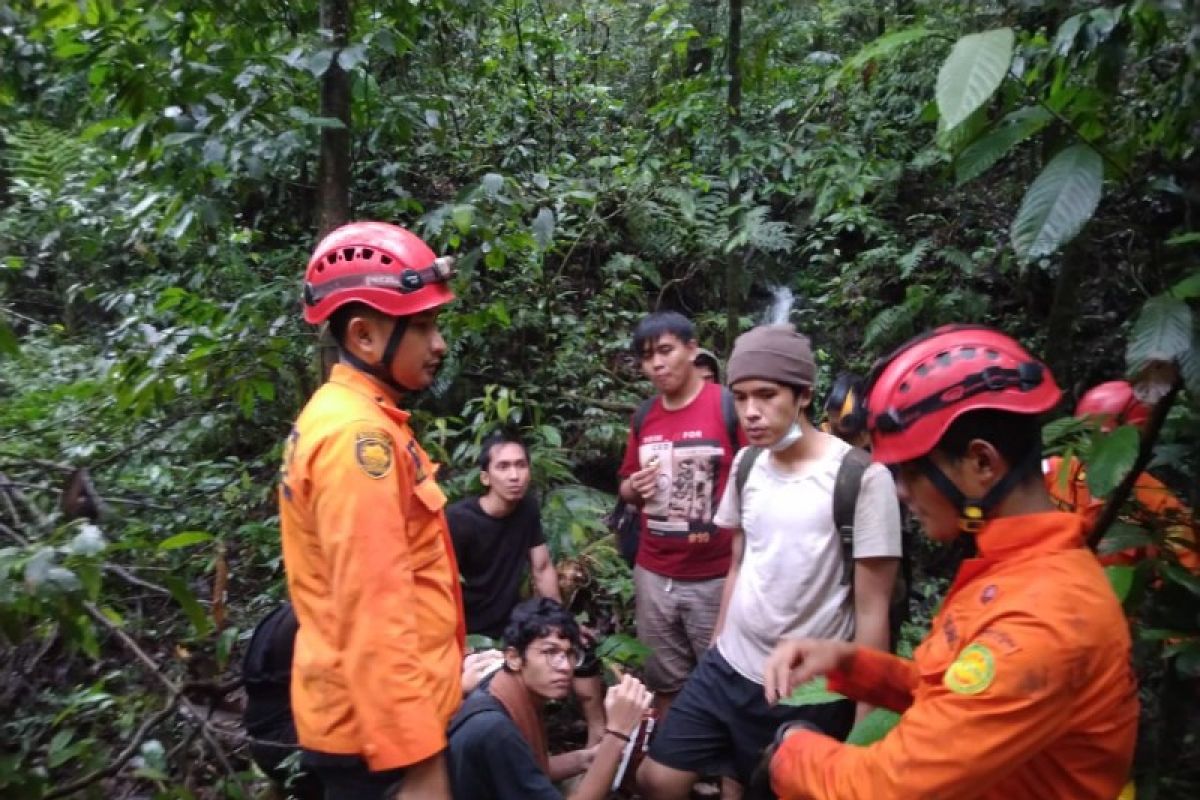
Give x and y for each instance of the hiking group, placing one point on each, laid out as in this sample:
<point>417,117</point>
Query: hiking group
<point>766,552</point>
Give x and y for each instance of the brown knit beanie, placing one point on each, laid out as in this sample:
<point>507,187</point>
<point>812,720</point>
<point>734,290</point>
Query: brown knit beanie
<point>772,353</point>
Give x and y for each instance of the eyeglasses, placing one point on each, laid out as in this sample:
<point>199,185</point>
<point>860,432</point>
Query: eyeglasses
<point>570,657</point>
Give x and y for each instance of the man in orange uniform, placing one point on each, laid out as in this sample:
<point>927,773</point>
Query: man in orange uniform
<point>370,567</point>
<point>1156,507</point>
<point>1023,688</point>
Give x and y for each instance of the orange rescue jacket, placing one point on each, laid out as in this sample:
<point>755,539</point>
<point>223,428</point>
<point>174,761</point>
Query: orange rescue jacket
<point>372,576</point>
<point>1157,508</point>
<point>1023,688</point>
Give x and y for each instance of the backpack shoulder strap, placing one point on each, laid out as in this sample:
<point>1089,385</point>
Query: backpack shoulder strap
<point>476,703</point>
<point>640,414</point>
<point>845,499</point>
<point>729,414</point>
<point>743,471</point>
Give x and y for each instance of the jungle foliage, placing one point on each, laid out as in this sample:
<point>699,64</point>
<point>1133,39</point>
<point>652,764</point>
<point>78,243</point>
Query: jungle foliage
<point>894,164</point>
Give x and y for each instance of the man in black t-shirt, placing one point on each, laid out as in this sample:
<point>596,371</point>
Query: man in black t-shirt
<point>496,538</point>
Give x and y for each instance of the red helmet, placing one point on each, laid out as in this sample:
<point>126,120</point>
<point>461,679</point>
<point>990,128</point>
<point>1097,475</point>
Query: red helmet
<point>383,266</point>
<point>1114,403</point>
<point>920,389</point>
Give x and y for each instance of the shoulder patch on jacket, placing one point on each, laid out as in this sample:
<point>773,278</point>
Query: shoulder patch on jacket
<point>373,452</point>
<point>972,671</point>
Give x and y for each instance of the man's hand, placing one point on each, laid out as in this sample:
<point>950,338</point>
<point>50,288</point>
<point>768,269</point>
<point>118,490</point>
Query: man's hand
<point>626,704</point>
<point>797,661</point>
<point>645,480</point>
<point>477,666</point>
<point>426,780</point>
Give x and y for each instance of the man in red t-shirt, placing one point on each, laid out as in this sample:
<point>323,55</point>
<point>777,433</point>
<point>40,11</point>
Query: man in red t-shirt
<point>676,463</point>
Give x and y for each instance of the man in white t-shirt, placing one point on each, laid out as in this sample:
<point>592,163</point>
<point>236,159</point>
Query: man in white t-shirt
<point>786,579</point>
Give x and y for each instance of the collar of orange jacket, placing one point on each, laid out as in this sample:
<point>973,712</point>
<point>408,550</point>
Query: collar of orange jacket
<point>1029,534</point>
<point>364,384</point>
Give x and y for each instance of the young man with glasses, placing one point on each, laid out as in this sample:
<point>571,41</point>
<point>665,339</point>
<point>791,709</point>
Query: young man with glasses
<point>498,748</point>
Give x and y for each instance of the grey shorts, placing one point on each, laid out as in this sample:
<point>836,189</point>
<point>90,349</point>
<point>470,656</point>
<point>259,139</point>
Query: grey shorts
<point>675,619</point>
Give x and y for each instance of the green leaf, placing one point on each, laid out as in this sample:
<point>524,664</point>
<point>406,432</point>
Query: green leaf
<point>814,693</point>
<point>873,727</point>
<point>1189,287</point>
<point>1121,579</point>
<point>1163,332</point>
<point>883,46</point>
<point>8,340</point>
<point>1192,237</point>
<point>1123,536</point>
<point>972,73</point>
<point>1110,458</point>
<point>984,152</point>
<point>1059,202</point>
<point>623,649</point>
<point>477,641</point>
<point>190,605</point>
<point>185,539</point>
<point>543,227</point>
<point>1188,664</point>
<point>1181,576</point>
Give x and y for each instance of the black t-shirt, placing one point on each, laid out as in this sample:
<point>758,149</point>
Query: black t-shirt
<point>493,557</point>
<point>487,757</point>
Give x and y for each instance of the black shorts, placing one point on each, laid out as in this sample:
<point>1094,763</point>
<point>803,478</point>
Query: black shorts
<point>720,723</point>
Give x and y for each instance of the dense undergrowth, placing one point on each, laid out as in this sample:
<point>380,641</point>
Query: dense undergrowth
<point>587,163</point>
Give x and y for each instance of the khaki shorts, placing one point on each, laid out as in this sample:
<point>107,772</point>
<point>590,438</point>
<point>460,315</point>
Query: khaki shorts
<point>675,619</point>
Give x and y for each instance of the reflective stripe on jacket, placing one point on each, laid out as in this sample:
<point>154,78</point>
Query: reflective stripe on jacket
<point>372,577</point>
<point>1023,688</point>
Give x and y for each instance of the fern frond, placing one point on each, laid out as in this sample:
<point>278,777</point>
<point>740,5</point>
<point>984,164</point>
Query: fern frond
<point>889,325</point>
<point>913,258</point>
<point>44,157</point>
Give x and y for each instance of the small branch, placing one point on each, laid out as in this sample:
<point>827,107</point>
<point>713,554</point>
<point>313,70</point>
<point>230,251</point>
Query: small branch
<point>1116,500</point>
<point>134,580</point>
<point>120,761</point>
<point>173,690</point>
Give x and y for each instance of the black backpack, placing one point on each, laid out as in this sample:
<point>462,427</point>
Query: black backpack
<point>625,520</point>
<point>846,487</point>
<point>267,672</point>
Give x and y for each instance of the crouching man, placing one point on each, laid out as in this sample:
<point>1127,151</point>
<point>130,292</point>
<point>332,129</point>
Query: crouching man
<point>498,748</point>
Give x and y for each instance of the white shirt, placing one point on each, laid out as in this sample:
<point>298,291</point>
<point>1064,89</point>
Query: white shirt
<point>790,581</point>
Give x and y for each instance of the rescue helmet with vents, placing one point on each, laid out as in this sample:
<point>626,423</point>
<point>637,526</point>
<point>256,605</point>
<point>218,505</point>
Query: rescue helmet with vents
<point>379,265</point>
<point>917,392</point>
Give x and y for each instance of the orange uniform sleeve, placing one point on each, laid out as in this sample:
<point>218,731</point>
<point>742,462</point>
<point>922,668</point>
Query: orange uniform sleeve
<point>360,514</point>
<point>878,678</point>
<point>975,721</point>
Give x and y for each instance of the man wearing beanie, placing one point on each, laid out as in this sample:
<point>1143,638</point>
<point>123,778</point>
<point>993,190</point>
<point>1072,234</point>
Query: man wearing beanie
<point>789,576</point>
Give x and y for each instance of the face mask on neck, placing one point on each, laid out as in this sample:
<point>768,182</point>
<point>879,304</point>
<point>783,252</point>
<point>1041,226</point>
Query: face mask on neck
<point>788,439</point>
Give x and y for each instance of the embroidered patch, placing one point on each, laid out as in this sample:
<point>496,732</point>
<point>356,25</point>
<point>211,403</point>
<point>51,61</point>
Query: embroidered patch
<point>972,671</point>
<point>373,452</point>
<point>988,594</point>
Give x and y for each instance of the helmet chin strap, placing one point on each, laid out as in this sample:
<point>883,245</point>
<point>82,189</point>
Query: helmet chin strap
<point>382,370</point>
<point>973,512</point>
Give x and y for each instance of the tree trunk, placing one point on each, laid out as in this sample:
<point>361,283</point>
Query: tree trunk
<point>333,177</point>
<point>733,262</point>
<point>333,171</point>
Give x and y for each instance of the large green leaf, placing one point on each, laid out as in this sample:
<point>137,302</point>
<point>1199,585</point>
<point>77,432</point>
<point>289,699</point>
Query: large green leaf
<point>1121,579</point>
<point>1110,458</point>
<point>8,340</point>
<point>1163,332</point>
<point>814,693</point>
<point>972,73</point>
<point>990,148</point>
<point>1059,202</point>
<point>873,727</point>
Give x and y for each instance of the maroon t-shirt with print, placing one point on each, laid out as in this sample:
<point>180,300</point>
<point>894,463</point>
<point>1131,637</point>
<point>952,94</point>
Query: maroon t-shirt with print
<point>678,538</point>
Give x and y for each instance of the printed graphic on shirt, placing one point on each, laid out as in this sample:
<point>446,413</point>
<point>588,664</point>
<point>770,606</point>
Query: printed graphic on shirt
<point>972,671</point>
<point>685,499</point>
<point>373,452</point>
